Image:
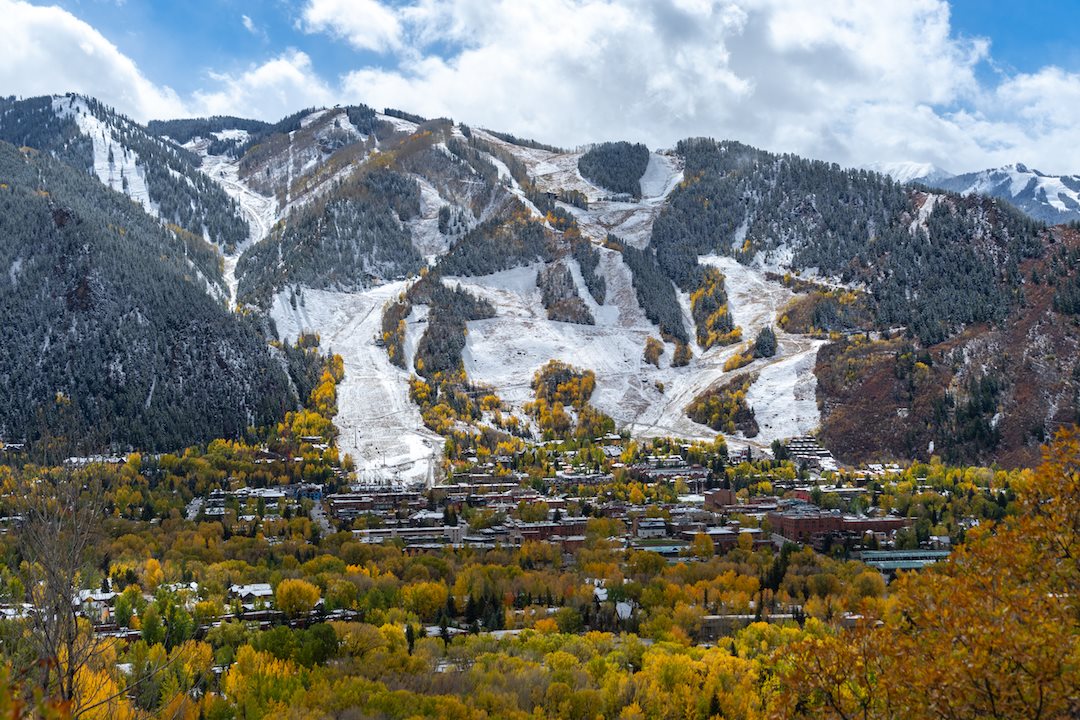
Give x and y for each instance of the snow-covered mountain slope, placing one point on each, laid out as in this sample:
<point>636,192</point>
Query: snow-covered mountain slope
<point>631,221</point>
<point>163,178</point>
<point>328,219</point>
<point>279,169</point>
<point>486,215</point>
<point>378,424</point>
<point>117,166</point>
<point>926,173</point>
<point>1051,198</point>
<point>258,211</point>
<point>506,351</point>
<point>296,158</point>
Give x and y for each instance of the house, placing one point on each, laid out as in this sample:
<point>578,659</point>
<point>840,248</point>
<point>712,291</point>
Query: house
<point>310,491</point>
<point>95,604</point>
<point>250,594</point>
<point>651,528</point>
<point>808,451</point>
<point>15,611</point>
<point>891,561</point>
<point>719,499</point>
<point>453,534</point>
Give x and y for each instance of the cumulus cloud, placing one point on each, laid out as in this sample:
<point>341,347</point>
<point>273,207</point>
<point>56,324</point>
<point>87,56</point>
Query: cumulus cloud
<point>818,79</point>
<point>848,81</point>
<point>49,50</point>
<point>272,90</point>
<point>365,24</point>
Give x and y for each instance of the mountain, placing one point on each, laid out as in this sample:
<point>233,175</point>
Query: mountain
<point>1054,199</point>
<point>108,336</point>
<point>425,219</point>
<point>449,264</point>
<point>163,178</point>
<point>904,172</point>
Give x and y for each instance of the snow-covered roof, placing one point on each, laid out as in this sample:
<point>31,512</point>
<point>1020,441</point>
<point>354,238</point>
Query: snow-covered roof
<point>252,590</point>
<point>96,596</point>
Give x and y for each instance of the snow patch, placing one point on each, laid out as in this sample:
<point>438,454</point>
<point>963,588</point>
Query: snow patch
<point>399,124</point>
<point>753,299</point>
<point>424,230</point>
<point>415,325</point>
<point>236,134</point>
<point>661,176</point>
<point>377,423</point>
<point>122,171</point>
<point>925,210</point>
<point>784,396</point>
<point>312,117</point>
<point>260,212</point>
<point>504,352</point>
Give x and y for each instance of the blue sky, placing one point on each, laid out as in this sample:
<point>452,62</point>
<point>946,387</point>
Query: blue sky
<point>963,85</point>
<point>1025,36</point>
<point>178,43</point>
<point>165,37</point>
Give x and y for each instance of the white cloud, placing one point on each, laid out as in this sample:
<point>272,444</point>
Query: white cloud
<point>249,24</point>
<point>365,24</point>
<point>49,50</point>
<point>777,73</point>
<point>848,81</point>
<point>271,90</point>
<point>1049,99</point>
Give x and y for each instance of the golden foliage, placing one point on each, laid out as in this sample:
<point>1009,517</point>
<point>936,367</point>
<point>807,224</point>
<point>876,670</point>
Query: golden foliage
<point>708,305</point>
<point>724,408</point>
<point>740,359</point>
<point>296,597</point>
<point>653,350</point>
<point>993,632</point>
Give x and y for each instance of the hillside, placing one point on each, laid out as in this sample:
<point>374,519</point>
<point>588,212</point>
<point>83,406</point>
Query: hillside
<point>470,258</point>
<point>995,393</point>
<point>936,266</point>
<point>162,178</point>
<point>1052,199</point>
<point>110,339</point>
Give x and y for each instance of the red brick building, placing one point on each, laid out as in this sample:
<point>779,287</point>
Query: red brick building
<point>802,522</point>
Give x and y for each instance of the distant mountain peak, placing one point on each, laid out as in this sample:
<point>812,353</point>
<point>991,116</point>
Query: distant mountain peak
<point>908,171</point>
<point>1051,198</point>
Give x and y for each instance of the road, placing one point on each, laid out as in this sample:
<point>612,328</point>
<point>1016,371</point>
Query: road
<point>318,516</point>
<point>193,508</point>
